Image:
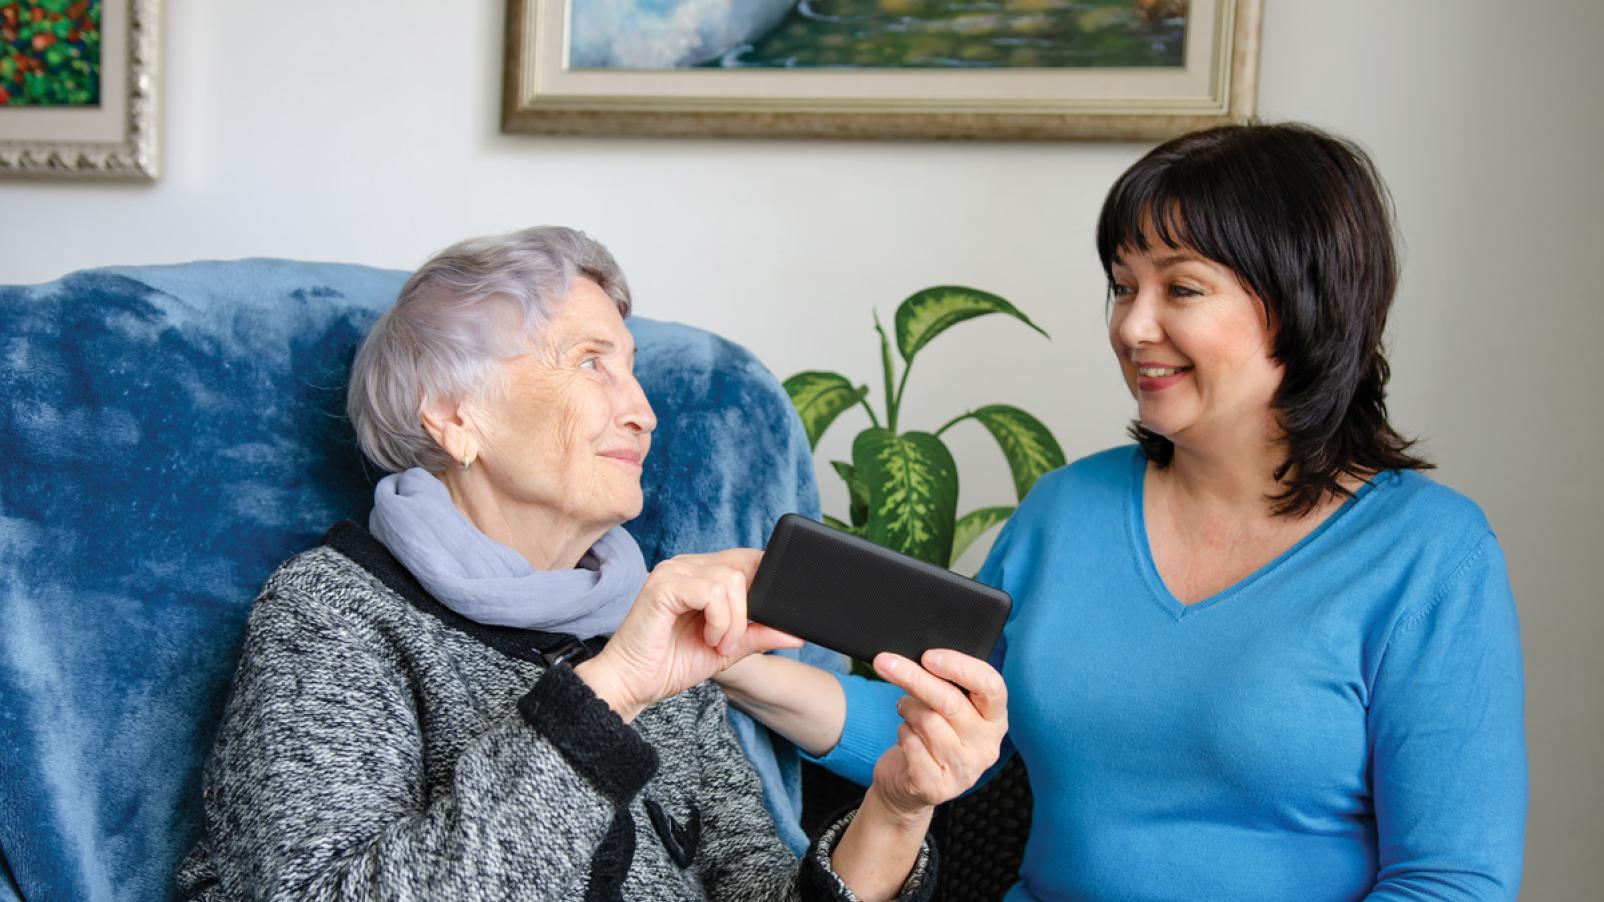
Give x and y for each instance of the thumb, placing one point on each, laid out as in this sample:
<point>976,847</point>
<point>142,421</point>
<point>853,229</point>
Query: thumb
<point>759,638</point>
<point>745,560</point>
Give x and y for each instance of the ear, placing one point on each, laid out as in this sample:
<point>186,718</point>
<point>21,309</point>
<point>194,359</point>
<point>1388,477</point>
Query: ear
<point>454,427</point>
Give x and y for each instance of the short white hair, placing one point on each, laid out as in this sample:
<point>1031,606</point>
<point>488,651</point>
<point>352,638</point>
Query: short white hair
<point>472,305</point>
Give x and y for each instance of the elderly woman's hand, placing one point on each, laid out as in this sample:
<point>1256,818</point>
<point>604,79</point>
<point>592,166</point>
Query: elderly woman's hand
<point>688,623</point>
<point>947,739</point>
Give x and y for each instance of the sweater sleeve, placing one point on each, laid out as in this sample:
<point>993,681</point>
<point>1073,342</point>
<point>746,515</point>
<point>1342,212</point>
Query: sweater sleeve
<point>870,729</point>
<point>740,855</point>
<point>1448,745</point>
<point>316,788</point>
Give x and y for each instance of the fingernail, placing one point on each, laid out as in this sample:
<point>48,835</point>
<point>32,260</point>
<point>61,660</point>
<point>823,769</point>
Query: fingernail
<point>890,664</point>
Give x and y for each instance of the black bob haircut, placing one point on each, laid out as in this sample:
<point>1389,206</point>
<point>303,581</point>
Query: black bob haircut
<point>1305,222</point>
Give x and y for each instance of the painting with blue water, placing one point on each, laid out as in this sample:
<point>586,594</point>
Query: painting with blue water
<point>877,34</point>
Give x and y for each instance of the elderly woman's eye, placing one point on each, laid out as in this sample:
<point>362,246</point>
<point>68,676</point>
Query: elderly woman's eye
<point>590,363</point>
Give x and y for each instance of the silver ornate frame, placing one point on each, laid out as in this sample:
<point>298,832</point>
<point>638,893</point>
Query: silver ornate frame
<point>136,156</point>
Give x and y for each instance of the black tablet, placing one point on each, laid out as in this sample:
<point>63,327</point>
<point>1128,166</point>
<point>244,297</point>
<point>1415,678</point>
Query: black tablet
<point>850,595</point>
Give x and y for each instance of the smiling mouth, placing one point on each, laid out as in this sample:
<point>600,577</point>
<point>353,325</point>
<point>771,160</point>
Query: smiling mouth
<point>1159,372</point>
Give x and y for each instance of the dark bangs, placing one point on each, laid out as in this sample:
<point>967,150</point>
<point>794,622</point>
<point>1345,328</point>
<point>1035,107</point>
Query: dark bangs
<point>1304,221</point>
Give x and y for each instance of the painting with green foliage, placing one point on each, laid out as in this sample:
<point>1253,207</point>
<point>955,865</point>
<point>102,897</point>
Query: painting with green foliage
<point>877,34</point>
<point>50,53</point>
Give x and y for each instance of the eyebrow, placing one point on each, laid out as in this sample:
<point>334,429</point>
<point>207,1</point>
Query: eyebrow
<point>606,346</point>
<point>1172,259</point>
<point>1163,262</point>
<point>601,343</point>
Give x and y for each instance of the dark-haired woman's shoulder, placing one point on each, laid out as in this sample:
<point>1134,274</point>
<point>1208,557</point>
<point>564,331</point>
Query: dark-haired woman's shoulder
<point>1419,514</point>
<point>1088,494</point>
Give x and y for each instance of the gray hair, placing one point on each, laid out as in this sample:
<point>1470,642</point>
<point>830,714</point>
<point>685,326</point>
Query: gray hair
<point>472,305</point>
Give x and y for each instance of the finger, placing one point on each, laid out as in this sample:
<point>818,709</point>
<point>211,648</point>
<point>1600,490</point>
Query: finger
<point>709,598</point>
<point>937,732</point>
<point>923,774</point>
<point>673,568</point>
<point>987,691</point>
<point>760,639</point>
<point>934,691</point>
<point>746,560</point>
<point>735,583</point>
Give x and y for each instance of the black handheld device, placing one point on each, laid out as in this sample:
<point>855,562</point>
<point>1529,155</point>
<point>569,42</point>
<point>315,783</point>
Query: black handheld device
<point>853,596</point>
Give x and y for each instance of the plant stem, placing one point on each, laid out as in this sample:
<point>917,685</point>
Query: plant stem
<point>873,420</point>
<point>955,421</point>
<point>902,386</point>
<point>886,367</point>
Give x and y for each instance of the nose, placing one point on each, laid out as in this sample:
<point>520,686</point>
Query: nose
<point>634,410</point>
<point>1136,323</point>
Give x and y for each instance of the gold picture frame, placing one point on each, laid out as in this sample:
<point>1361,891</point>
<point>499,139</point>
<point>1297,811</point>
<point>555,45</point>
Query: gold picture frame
<point>118,138</point>
<point>1217,84</point>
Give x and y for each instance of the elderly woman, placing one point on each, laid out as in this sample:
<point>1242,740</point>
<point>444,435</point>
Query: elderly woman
<point>1258,654</point>
<point>426,711</point>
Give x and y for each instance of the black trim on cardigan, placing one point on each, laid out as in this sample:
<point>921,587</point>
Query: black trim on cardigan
<point>817,882</point>
<point>680,840</point>
<point>593,739</point>
<point>352,540</point>
<point>605,751</point>
<point>613,858</point>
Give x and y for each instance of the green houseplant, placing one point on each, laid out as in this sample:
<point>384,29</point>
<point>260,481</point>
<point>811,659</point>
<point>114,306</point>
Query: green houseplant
<point>903,485</point>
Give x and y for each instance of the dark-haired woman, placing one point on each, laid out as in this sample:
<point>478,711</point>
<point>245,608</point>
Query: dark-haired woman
<point>1258,654</point>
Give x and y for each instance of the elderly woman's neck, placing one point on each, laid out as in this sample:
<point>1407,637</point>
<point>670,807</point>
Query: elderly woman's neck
<point>545,538</point>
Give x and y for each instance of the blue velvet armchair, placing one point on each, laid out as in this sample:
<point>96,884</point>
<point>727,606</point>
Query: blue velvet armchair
<point>168,436</point>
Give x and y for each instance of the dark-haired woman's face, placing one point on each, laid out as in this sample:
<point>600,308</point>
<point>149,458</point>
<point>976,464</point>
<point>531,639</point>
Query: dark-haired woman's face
<point>1194,347</point>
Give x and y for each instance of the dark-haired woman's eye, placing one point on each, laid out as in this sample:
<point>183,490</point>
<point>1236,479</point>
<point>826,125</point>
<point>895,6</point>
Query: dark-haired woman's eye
<point>1117,291</point>
<point>1184,291</point>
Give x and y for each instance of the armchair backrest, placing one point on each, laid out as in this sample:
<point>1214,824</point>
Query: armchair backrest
<point>168,435</point>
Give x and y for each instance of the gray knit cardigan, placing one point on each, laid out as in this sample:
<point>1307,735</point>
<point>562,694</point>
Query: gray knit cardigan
<point>377,745</point>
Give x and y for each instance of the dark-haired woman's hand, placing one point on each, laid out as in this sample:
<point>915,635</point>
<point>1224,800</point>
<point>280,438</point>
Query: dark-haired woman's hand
<point>947,740</point>
<point>955,716</point>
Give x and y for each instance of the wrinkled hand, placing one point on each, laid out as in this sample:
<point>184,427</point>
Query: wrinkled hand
<point>688,623</point>
<point>947,739</point>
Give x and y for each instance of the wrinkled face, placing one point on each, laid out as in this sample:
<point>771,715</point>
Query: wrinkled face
<point>572,427</point>
<point>1194,346</point>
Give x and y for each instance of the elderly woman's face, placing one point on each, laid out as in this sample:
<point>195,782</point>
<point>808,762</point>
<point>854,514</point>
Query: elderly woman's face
<point>1193,345</point>
<point>573,427</point>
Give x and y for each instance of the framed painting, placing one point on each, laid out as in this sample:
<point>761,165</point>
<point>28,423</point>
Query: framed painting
<point>975,69</point>
<point>78,88</point>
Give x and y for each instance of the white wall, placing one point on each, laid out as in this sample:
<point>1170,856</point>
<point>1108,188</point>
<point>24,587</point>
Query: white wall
<point>367,131</point>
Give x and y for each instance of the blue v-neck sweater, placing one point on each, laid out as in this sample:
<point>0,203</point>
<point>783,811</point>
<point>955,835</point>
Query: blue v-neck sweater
<point>1345,721</point>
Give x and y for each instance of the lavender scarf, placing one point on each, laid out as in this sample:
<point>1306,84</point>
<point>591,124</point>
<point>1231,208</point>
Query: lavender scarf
<point>486,581</point>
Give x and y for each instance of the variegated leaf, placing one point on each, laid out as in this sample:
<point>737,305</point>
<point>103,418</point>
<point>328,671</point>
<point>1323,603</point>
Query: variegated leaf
<point>820,397</point>
<point>973,525</point>
<point>833,523</point>
<point>913,492</point>
<point>1029,447</point>
<point>930,312</point>
<point>857,492</point>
